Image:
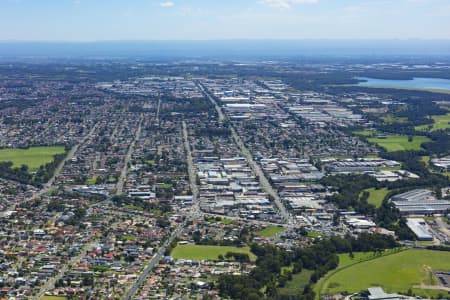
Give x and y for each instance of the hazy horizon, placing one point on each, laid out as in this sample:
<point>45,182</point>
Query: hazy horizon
<point>226,48</point>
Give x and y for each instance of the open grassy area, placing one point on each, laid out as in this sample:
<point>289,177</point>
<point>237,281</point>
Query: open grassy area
<point>376,196</point>
<point>399,142</point>
<point>314,234</point>
<point>426,160</point>
<point>297,284</point>
<point>270,231</point>
<point>395,273</point>
<point>200,252</point>
<point>224,221</point>
<point>440,122</point>
<point>91,181</point>
<point>392,120</point>
<point>364,132</point>
<point>33,157</point>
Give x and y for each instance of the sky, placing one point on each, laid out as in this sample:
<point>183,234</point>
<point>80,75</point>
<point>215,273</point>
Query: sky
<point>99,20</point>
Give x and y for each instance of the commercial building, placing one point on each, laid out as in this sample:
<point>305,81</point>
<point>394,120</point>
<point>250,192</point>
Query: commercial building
<point>420,229</point>
<point>377,293</point>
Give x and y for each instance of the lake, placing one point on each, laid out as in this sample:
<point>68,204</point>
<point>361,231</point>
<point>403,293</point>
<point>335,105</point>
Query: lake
<point>415,83</point>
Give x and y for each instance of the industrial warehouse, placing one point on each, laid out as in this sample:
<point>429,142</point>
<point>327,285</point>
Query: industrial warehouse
<point>419,201</point>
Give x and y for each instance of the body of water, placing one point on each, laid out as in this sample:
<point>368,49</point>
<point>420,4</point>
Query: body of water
<point>415,83</point>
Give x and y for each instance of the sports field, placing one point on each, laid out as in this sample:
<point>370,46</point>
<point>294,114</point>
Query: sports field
<point>270,231</point>
<point>33,157</point>
<point>200,252</point>
<point>395,273</point>
<point>399,142</point>
<point>376,196</point>
<point>440,122</point>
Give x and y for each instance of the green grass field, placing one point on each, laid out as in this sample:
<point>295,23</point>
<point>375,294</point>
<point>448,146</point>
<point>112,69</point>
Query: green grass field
<point>392,120</point>
<point>297,284</point>
<point>33,157</point>
<point>376,196</point>
<point>314,234</point>
<point>395,273</point>
<point>364,132</point>
<point>224,221</point>
<point>270,231</point>
<point>398,143</point>
<point>440,122</point>
<point>200,252</point>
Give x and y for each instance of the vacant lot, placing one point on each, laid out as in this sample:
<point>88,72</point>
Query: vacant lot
<point>440,122</point>
<point>270,231</point>
<point>395,273</point>
<point>32,157</point>
<point>399,142</point>
<point>200,252</point>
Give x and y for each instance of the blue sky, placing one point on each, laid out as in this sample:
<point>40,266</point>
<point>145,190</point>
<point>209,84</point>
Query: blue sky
<point>92,20</point>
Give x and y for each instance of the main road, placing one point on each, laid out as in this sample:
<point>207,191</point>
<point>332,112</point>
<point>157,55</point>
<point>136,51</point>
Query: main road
<point>191,168</point>
<point>123,174</point>
<point>194,212</point>
<point>265,184</point>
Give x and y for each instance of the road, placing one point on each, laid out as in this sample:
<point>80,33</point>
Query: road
<point>123,174</point>
<point>213,101</point>
<point>153,262</point>
<point>443,227</point>
<point>194,212</point>
<point>191,167</point>
<point>432,287</point>
<point>158,110</point>
<point>265,184</point>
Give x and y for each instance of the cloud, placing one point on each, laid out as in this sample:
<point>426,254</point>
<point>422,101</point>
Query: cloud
<point>286,3</point>
<point>167,4</point>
